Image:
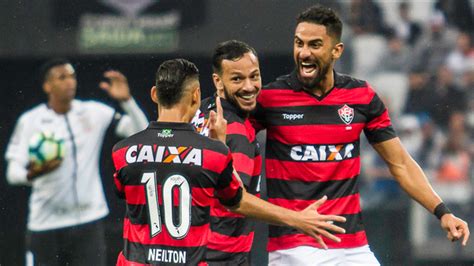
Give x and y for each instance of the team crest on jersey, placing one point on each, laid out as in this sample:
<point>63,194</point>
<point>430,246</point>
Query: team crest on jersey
<point>346,114</point>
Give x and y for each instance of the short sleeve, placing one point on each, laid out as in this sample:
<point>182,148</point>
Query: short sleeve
<point>228,188</point>
<point>379,126</point>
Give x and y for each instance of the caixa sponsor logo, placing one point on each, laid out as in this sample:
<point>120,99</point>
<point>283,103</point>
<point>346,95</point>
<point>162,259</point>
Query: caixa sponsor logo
<point>322,152</point>
<point>293,116</point>
<point>163,154</point>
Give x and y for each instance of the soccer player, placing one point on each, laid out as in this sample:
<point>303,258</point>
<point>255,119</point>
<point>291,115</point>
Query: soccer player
<point>237,80</point>
<point>169,174</point>
<point>314,117</point>
<point>67,201</point>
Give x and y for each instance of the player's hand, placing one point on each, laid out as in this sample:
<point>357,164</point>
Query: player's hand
<point>35,170</point>
<point>216,123</point>
<point>317,225</point>
<point>117,88</point>
<point>456,228</point>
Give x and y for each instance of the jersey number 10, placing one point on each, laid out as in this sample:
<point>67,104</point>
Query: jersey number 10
<point>177,231</point>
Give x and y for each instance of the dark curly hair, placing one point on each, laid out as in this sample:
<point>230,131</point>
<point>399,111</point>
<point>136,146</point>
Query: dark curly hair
<point>321,15</point>
<point>229,50</point>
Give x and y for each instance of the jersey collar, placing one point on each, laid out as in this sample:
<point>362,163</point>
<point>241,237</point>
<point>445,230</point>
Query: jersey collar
<point>172,125</point>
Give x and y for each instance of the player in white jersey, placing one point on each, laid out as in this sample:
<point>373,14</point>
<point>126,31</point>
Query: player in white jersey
<point>67,201</point>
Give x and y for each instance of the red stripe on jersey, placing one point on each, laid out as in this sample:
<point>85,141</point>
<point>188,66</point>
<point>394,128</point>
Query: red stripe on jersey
<point>118,157</point>
<point>290,241</point>
<point>312,171</point>
<point>381,121</point>
<point>230,243</point>
<point>214,161</point>
<point>250,130</point>
<point>345,205</point>
<point>287,98</point>
<point>136,195</point>
<point>235,128</point>
<point>140,233</point>
<point>243,163</point>
<point>239,128</point>
<point>325,134</point>
<point>117,183</point>
<point>218,210</point>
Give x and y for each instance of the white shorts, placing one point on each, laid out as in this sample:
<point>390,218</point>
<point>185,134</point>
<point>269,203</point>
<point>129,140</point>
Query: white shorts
<point>306,255</point>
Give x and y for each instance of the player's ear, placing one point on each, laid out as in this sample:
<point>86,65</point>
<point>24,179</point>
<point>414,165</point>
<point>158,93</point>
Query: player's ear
<point>196,95</point>
<point>218,84</point>
<point>46,87</point>
<point>337,50</point>
<point>154,94</point>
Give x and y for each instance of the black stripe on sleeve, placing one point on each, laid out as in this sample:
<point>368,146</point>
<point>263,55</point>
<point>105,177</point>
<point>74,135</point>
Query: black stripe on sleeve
<point>233,201</point>
<point>375,108</point>
<point>379,135</point>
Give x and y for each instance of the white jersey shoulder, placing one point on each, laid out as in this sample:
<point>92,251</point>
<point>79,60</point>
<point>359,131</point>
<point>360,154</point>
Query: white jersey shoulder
<point>199,122</point>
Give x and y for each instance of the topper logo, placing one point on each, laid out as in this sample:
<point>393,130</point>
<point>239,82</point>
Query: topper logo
<point>292,117</point>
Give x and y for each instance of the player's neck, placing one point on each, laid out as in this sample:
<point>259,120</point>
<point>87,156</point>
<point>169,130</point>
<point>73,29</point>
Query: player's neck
<point>324,86</point>
<point>59,107</point>
<point>175,115</point>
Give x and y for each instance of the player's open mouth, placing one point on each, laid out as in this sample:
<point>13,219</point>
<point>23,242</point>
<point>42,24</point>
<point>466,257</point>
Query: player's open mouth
<point>248,97</point>
<point>307,69</point>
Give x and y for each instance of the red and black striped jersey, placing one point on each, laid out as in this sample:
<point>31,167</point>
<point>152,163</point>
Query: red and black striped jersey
<point>168,175</point>
<point>232,234</point>
<point>312,150</point>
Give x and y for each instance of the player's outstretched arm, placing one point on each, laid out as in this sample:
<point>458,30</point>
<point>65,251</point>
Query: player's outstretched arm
<point>413,180</point>
<point>118,89</point>
<point>307,221</point>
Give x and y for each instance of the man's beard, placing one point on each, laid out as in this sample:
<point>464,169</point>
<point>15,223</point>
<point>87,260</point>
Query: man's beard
<point>233,101</point>
<point>312,83</point>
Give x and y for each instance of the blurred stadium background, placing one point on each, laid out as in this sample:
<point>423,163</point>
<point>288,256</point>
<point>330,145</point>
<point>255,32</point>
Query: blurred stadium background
<point>418,55</point>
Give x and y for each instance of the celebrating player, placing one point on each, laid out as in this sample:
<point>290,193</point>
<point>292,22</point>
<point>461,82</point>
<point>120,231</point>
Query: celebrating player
<point>168,175</point>
<point>314,117</point>
<point>237,80</point>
